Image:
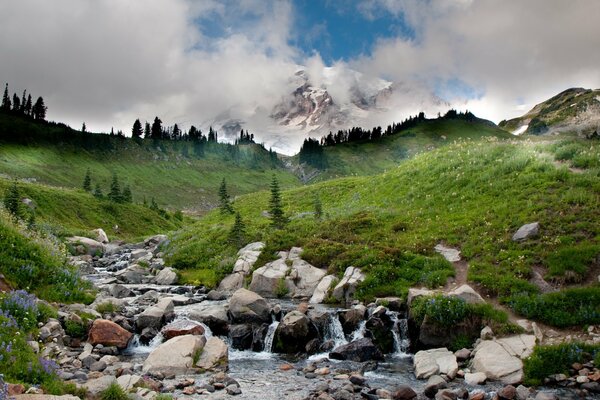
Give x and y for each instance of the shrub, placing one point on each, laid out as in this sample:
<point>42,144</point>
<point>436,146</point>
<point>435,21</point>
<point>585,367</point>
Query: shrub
<point>556,359</point>
<point>45,312</point>
<point>75,329</point>
<point>444,310</point>
<point>107,308</point>
<point>114,392</point>
<point>281,290</point>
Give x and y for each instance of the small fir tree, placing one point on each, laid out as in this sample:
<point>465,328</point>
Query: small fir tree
<point>153,205</point>
<point>98,192</point>
<point>115,190</point>
<point>318,207</point>
<point>39,110</point>
<point>224,202</point>
<point>87,181</point>
<point>278,219</point>
<point>6,104</point>
<point>136,130</point>
<point>127,197</point>
<point>237,235</point>
<point>12,201</point>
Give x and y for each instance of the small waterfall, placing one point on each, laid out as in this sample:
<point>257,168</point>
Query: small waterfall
<point>360,331</point>
<point>400,333</point>
<point>135,347</point>
<point>207,332</point>
<point>335,331</point>
<point>268,347</point>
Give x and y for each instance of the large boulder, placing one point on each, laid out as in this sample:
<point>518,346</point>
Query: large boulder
<point>468,294</point>
<point>175,356</point>
<point>501,359</point>
<point>232,282</point>
<point>182,327</point>
<point>212,315</point>
<point>322,290</point>
<point>100,235</point>
<point>380,329</point>
<point>359,350</point>
<point>345,289</point>
<point>434,362</point>
<point>108,333</point>
<point>527,231</point>
<point>133,274</point>
<point>351,319</point>
<point>247,306</point>
<point>450,254</point>
<point>247,256</point>
<point>214,356</point>
<point>303,279</point>
<point>156,316</point>
<point>267,280</point>
<point>167,276</point>
<point>95,386</point>
<point>83,245</point>
<point>293,333</point>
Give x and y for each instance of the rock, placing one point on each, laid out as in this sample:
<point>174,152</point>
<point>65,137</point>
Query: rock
<point>477,378</point>
<point>241,336</point>
<point>526,231</point>
<point>434,384</point>
<point>247,256</point>
<point>352,318</point>
<point>359,350</point>
<point>132,274</point>
<point>156,316</point>
<point>468,294</point>
<point>508,392</point>
<point>216,295</point>
<point>98,366</point>
<point>119,291</point>
<point>380,330</point>
<point>523,393</point>
<point>4,285</point>
<point>303,279</point>
<point>156,240</point>
<point>462,354</point>
<point>85,245</point>
<point>233,390</point>
<point>500,359</point>
<point>247,306</point>
<point>486,333</point>
<point>43,397</point>
<point>435,361</point>
<point>391,303</point>
<point>478,395</point>
<point>450,254</point>
<point>167,276</point>
<point>100,235</point>
<point>322,290</point>
<point>182,327</point>
<point>213,315</point>
<point>214,356</point>
<point>293,333</point>
<point>52,330</point>
<point>140,255</point>
<point>546,396</point>
<point>175,356</point>
<point>95,386</point>
<point>404,392</point>
<point>267,280</point>
<point>107,333</point>
<point>345,289</point>
<point>413,293</point>
<point>232,282</point>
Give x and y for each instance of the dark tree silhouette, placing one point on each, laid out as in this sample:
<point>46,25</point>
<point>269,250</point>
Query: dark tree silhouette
<point>39,110</point>
<point>87,181</point>
<point>156,130</point>
<point>16,104</point>
<point>126,195</point>
<point>6,105</point>
<point>98,192</point>
<point>237,235</point>
<point>136,131</point>
<point>115,190</point>
<point>12,200</point>
<point>278,219</point>
<point>224,201</point>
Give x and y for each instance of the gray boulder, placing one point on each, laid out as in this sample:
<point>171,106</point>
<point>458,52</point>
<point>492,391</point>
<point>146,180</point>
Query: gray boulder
<point>85,245</point>
<point>267,279</point>
<point>167,276</point>
<point>175,356</point>
<point>213,315</point>
<point>247,306</point>
<point>156,316</point>
<point>344,290</point>
<point>101,235</point>
<point>322,290</point>
<point>293,333</point>
<point>359,350</point>
<point>501,359</point>
<point>214,356</point>
<point>435,362</point>
<point>526,231</point>
<point>303,278</point>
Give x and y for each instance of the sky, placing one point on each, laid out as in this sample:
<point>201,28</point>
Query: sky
<point>108,62</point>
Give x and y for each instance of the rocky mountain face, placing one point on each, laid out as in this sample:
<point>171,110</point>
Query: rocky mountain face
<point>574,110</point>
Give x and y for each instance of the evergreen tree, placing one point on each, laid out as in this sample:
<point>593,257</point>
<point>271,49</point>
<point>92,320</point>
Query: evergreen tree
<point>98,192</point>
<point>16,103</point>
<point>39,110</point>
<point>278,219</point>
<point>156,131</point>
<point>153,205</point>
<point>87,181</point>
<point>115,190</point>
<point>127,197</point>
<point>6,105</point>
<point>29,106</point>
<point>83,128</point>
<point>136,131</point>
<point>23,102</point>
<point>175,135</point>
<point>318,207</point>
<point>224,202</point>
<point>12,200</point>
<point>237,235</point>
<point>147,131</point>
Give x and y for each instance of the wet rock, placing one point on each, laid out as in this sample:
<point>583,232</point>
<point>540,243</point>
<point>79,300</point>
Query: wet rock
<point>214,356</point>
<point>156,316</point>
<point>293,333</point>
<point>352,318</point>
<point>359,350</point>
<point>434,384</point>
<point>108,333</point>
<point>247,306</point>
<point>182,327</point>
<point>435,361</point>
<point>119,291</point>
<point>526,232</point>
<point>100,235</point>
<point>474,379</point>
<point>167,276</point>
<point>95,386</point>
<point>175,356</point>
<point>267,279</point>
<point>213,315</point>
<point>344,290</point>
<point>404,392</point>
<point>391,303</point>
<point>508,392</point>
<point>380,329</point>
<point>322,289</point>
<point>148,334</point>
<point>84,245</point>
<point>303,279</point>
<point>132,274</point>
<point>216,295</point>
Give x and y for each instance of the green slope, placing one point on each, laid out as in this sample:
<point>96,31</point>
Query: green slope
<point>373,157</point>
<point>171,172</point>
<point>472,194</point>
<point>68,212</point>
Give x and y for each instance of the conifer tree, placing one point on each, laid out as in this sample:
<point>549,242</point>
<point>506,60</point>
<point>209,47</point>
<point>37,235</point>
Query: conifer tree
<point>16,103</point>
<point>127,197</point>
<point>87,181</point>
<point>39,109</point>
<point>224,202</point>
<point>83,128</point>
<point>12,200</point>
<point>115,190</point>
<point>318,207</point>
<point>156,131</point>
<point>98,192</point>
<point>29,106</point>
<point>278,219</point>
<point>23,102</point>
<point>153,205</point>
<point>6,105</point>
<point>237,234</point>
<point>137,131</point>
<point>147,132</point>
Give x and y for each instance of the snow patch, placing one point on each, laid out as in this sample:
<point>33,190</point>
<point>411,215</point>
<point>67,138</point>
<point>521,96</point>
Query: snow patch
<point>520,130</point>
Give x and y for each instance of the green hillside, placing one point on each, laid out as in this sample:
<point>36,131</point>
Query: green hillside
<point>67,212</point>
<point>171,172</point>
<point>473,194</point>
<point>373,157</point>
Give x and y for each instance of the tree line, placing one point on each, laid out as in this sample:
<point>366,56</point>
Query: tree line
<point>23,105</point>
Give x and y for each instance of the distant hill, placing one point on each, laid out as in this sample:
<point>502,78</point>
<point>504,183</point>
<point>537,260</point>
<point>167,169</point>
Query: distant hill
<point>575,110</point>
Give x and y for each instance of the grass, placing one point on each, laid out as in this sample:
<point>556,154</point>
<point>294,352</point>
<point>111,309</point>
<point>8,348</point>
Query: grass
<point>556,359</point>
<point>114,392</point>
<point>473,194</point>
